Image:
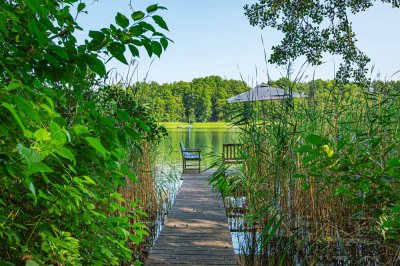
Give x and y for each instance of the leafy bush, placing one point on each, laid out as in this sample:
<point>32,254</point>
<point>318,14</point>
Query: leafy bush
<point>65,147</point>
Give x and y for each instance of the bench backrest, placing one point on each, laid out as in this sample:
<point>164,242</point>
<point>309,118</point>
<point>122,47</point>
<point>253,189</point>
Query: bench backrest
<point>232,152</point>
<point>182,147</point>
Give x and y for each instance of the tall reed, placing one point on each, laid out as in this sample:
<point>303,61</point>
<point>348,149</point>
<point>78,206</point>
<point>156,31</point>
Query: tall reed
<point>321,175</point>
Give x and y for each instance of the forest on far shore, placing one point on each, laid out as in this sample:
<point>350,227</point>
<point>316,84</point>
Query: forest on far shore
<point>204,99</point>
<point>201,100</point>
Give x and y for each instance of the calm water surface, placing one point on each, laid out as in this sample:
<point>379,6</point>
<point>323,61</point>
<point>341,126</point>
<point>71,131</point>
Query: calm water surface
<point>209,141</point>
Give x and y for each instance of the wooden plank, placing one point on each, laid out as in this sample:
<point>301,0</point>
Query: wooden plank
<point>196,230</point>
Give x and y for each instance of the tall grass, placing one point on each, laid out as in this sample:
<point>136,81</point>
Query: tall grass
<point>150,186</point>
<point>320,176</point>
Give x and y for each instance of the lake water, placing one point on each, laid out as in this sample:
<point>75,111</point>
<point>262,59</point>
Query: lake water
<point>209,141</point>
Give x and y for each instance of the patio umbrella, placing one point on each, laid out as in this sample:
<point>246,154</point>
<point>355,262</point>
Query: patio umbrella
<point>264,93</point>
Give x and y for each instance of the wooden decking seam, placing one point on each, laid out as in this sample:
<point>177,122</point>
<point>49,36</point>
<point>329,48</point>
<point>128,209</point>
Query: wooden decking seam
<point>196,230</point>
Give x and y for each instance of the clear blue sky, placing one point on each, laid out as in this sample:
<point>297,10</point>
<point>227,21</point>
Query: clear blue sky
<point>213,37</point>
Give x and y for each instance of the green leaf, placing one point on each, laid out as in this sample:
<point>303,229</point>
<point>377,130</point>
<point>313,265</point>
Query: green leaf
<point>123,232</point>
<point>132,132</point>
<point>147,26</point>
<point>137,42</point>
<point>96,34</point>
<point>164,43</point>
<point>134,50</point>
<point>34,29</point>
<point>10,108</point>
<point>137,15</point>
<point>66,153</point>
<point>81,130</point>
<point>59,51</point>
<point>314,139</point>
<point>136,31</point>
<point>50,102</point>
<point>117,50</point>
<point>304,148</point>
<point>14,85</point>
<point>297,175</point>
<point>132,176</point>
<point>29,155</point>
<point>81,7</point>
<point>152,8</point>
<point>96,144</point>
<point>32,188</point>
<point>26,107</point>
<point>59,139</point>
<point>124,116</point>
<point>52,60</point>
<point>311,156</point>
<point>42,134</point>
<point>394,162</point>
<point>117,196</point>
<point>143,125</point>
<point>156,48</point>
<point>98,67</point>
<point>54,127</point>
<point>89,180</point>
<point>34,5</point>
<point>135,239</point>
<point>160,22</point>
<point>31,263</point>
<point>50,110</point>
<point>99,41</point>
<point>39,167</point>
<point>148,47</point>
<point>122,20</point>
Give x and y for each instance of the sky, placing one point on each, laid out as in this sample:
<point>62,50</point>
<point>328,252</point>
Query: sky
<point>214,37</point>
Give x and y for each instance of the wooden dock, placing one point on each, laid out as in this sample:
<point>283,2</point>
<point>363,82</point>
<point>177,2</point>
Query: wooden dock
<point>196,231</point>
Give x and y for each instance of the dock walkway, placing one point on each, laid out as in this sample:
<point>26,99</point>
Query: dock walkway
<point>196,230</point>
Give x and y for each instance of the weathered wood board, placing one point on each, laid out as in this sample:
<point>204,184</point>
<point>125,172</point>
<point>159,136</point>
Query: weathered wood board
<point>196,231</point>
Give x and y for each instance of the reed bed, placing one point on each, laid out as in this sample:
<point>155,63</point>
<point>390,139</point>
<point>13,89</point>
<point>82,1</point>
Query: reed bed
<point>320,176</point>
<point>154,190</point>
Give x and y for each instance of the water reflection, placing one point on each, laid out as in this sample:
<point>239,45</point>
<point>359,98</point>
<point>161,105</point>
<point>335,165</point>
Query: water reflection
<point>209,141</point>
<point>169,167</point>
<point>245,237</point>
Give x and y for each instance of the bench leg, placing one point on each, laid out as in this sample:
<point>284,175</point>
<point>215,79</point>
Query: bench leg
<point>199,166</point>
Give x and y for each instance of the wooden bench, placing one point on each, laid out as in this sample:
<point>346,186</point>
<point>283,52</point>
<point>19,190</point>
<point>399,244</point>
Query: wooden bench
<point>190,155</point>
<point>232,153</point>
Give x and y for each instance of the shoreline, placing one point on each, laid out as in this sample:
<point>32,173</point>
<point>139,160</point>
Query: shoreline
<point>197,125</point>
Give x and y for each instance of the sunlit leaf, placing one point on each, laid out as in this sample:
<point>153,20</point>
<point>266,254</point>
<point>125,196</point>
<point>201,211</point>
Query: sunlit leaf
<point>96,144</point>
<point>137,15</point>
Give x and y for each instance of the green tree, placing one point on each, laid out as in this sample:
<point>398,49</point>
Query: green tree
<point>311,28</point>
<point>66,138</point>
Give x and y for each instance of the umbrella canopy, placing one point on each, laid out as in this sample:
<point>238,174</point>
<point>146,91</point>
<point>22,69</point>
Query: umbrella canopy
<point>264,93</point>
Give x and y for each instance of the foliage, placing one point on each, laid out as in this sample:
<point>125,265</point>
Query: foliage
<point>311,28</point>
<point>320,176</point>
<point>66,138</point>
<point>201,100</point>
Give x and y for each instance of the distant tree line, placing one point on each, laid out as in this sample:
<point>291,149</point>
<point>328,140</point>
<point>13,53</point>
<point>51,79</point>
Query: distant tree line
<point>204,99</point>
<point>201,100</point>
